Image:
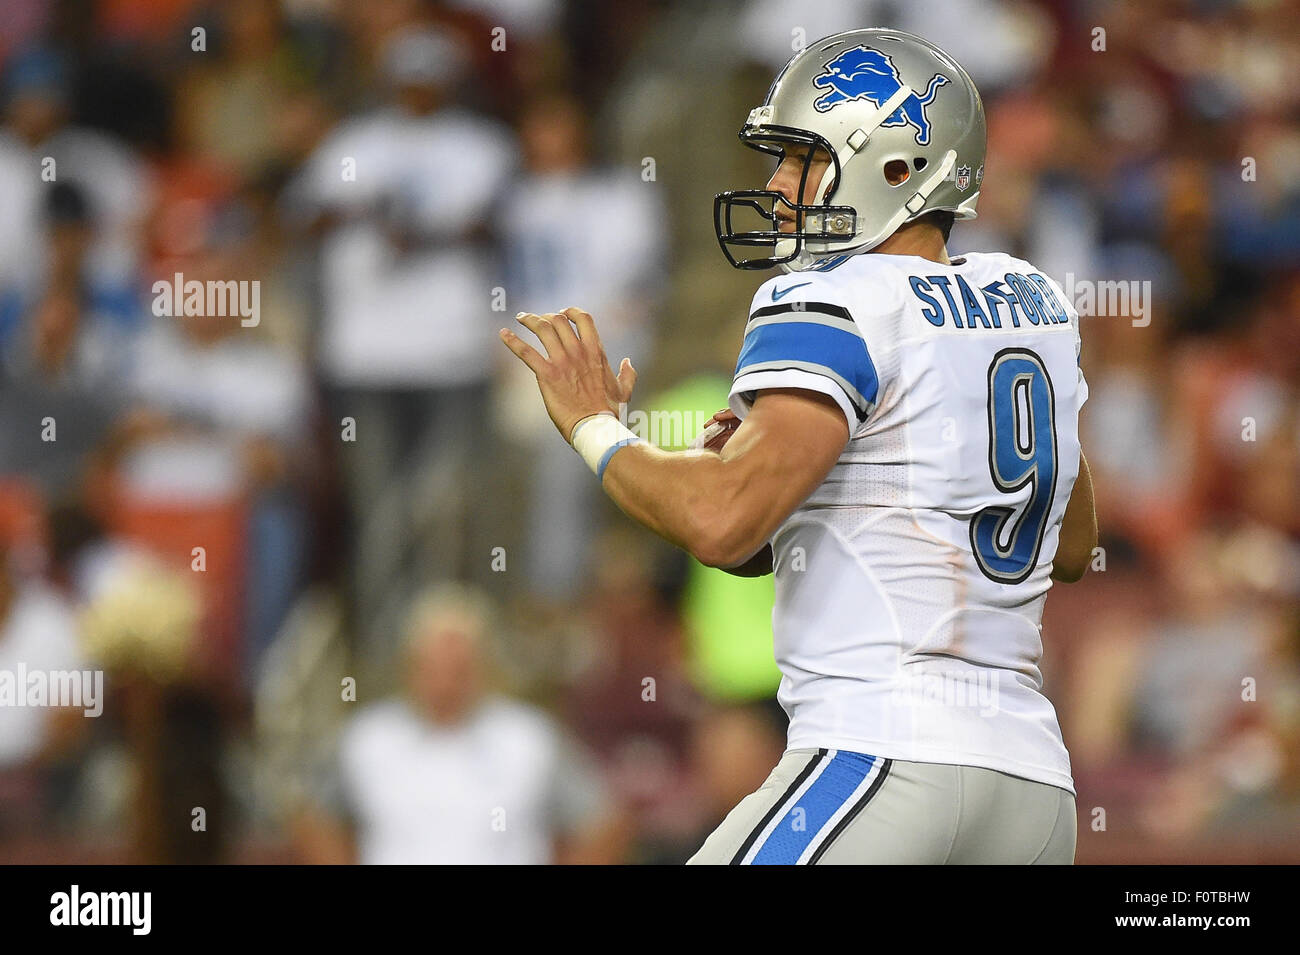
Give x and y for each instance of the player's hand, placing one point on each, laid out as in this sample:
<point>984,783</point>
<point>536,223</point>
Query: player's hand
<point>717,432</point>
<point>574,375</point>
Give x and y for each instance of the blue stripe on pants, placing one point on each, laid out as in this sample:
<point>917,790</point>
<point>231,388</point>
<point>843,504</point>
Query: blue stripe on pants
<point>810,813</point>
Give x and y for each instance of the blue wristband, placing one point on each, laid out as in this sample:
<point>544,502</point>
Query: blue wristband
<point>609,453</point>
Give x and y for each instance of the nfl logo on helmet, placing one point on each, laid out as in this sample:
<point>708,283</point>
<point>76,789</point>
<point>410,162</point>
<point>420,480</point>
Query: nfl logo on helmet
<point>963,178</point>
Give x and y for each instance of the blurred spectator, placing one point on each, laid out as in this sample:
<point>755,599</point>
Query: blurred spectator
<point>403,196</point>
<point>231,416</point>
<point>63,374</point>
<point>39,146</point>
<point>453,772</point>
<point>574,234</point>
<point>38,636</point>
<point>234,96</point>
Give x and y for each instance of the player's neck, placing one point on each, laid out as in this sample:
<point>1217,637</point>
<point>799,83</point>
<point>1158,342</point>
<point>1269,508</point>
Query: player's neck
<point>921,239</point>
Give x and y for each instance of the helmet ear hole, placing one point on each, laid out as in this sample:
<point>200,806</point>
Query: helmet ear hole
<point>919,163</point>
<point>896,172</point>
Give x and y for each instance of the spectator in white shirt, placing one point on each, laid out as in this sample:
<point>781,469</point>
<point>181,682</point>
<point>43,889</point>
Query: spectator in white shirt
<point>38,635</point>
<point>402,197</point>
<point>452,772</point>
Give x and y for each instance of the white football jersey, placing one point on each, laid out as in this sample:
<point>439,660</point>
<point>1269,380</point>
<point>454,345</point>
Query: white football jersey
<point>910,584</point>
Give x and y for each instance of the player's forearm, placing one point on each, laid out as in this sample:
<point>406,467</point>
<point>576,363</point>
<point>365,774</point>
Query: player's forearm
<point>694,499</point>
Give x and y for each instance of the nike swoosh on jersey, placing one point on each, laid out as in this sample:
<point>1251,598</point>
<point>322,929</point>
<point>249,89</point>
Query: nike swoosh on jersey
<point>778,295</point>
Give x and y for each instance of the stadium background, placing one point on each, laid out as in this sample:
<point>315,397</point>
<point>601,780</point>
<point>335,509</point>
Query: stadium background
<point>382,507</point>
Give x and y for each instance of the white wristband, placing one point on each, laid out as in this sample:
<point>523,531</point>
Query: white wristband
<point>597,437</point>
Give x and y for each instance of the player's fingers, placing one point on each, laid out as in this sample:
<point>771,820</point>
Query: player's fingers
<point>626,379</point>
<point>590,339</point>
<point>544,329</point>
<point>525,352</point>
<point>725,415</point>
<point>586,326</point>
<point>564,332</point>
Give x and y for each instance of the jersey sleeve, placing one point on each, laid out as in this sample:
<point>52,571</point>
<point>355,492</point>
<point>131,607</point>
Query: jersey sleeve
<point>805,343</point>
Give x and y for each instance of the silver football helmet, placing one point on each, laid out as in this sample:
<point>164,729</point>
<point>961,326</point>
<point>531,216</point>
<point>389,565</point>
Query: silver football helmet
<point>868,98</point>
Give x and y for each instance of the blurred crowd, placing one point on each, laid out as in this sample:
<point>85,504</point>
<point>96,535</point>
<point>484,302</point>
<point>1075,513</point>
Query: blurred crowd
<point>264,462</point>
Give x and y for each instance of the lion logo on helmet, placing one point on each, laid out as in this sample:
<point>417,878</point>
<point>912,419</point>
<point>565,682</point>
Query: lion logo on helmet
<point>864,73</point>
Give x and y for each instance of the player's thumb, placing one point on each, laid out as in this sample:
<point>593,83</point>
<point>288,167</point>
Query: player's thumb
<point>626,378</point>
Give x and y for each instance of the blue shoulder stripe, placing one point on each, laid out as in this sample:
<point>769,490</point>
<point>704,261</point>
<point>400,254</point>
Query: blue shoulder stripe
<point>819,347</point>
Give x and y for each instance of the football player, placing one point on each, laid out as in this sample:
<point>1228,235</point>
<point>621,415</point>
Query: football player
<point>908,466</point>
